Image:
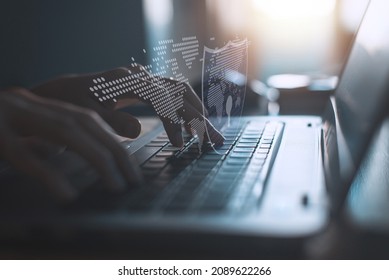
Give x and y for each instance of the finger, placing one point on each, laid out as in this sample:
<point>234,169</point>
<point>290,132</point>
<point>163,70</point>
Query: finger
<point>165,105</point>
<point>187,92</point>
<point>173,131</point>
<point>63,125</point>
<point>127,165</point>
<point>41,147</point>
<point>188,129</point>
<point>201,124</point>
<point>98,155</point>
<point>123,123</point>
<point>194,100</point>
<point>25,161</point>
<point>84,139</point>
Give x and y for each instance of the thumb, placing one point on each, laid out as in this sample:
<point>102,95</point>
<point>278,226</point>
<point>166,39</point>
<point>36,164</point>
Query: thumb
<point>123,123</point>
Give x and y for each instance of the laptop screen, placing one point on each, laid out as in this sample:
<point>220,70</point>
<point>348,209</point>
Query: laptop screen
<point>362,93</point>
<point>361,100</point>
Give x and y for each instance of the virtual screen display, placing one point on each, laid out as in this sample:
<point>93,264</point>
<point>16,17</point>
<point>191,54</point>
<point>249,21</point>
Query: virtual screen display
<point>163,82</point>
<point>224,80</point>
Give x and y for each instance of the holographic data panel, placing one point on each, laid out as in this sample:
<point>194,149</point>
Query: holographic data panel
<point>163,82</point>
<point>224,84</point>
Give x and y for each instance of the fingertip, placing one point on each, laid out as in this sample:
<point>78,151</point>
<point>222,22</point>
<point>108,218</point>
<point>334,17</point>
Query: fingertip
<point>130,128</point>
<point>136,128</point>
<point>215,136</point>
<point>177,140</point>
<point>124,124</point>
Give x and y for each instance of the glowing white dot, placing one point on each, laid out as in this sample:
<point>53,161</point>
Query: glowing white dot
<point>94,81</point>
<point>96,94</point>
<point>91,89</point>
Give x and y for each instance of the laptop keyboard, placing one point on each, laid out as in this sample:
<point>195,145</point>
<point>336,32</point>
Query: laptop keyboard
<point>230,178</point>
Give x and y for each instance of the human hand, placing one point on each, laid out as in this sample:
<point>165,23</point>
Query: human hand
<point>74,89</point>
<point>175,102</point>
<point>81,130</point>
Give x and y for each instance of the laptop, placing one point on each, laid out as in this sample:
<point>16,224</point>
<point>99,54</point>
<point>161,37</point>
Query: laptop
<point>275,178</point>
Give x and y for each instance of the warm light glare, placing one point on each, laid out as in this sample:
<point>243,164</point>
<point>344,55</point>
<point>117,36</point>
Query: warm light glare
<point>351,12</point>
<point>158,12</point>
<point>296,9</point>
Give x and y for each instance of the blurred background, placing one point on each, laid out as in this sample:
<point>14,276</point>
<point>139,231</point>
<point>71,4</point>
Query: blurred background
<point>43,39</point>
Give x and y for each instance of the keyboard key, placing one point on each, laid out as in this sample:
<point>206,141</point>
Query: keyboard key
<point>233,169</point>
<point>170,148</point>
<point>266,141</point>
<point>173,170</point>
<point>240,155</point>
<point>156,145</point>
<point>265,146</point>
<point>165,154</point>
<point>159,141</point>
<point>237,161</point>
<point>251,141</point>
<point>206,164</point>
<point>218,151</point>
<point>244,150</point>
<point>154,165</point>
<point>262,151</point>
<point>212,157</point>
<point>145,153</point>
<point>157,160</point>
<point>213,203</point>
<point>268,137</point>
<point>188,156</point>
<point>246,145</point>
<point>257,161</point>
<point>253,138</point>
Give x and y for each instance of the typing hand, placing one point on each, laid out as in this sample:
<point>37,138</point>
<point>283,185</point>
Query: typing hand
<point>22,114</point>
<point>175,102</point>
